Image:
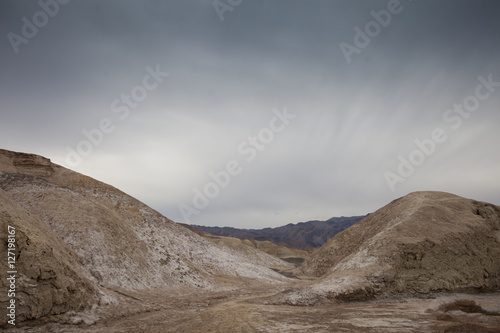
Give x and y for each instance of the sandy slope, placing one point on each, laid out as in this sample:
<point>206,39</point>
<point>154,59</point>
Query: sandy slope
<point>120,242</point>
<point>423,242</point>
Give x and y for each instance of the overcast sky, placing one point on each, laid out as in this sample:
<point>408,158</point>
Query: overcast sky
<point>303,109</point>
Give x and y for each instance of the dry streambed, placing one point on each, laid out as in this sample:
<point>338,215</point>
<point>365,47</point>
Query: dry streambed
<point>245,310</point>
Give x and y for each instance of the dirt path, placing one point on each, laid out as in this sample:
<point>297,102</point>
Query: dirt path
<point>244,311</point>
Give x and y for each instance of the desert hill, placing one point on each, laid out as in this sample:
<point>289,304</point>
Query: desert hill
<point>95,236</point>
<point>82,244</point>
<point>303,235</point>
<point>423,242</point>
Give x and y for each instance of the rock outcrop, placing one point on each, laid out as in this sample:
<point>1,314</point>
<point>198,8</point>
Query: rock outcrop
<point>23,163</point>
<point>49,276</point>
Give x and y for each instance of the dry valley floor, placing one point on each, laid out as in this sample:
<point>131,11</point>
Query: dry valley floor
<point>248,310</point>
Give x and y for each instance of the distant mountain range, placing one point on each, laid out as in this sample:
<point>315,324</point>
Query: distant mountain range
<point>303,235</point>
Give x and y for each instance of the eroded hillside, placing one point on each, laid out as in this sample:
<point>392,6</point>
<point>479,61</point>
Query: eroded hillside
<point>118,242</point>
<point>421,243</point>
<point>52,279</point>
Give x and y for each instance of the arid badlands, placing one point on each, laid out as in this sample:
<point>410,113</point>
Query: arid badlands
<point>82,256</point>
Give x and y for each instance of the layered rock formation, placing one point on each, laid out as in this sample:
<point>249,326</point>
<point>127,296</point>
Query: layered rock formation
<point>49,278</point>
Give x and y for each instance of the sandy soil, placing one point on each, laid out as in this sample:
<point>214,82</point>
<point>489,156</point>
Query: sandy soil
<point>245,310</point>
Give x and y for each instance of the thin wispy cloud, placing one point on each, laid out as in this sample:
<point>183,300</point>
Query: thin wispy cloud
<point>353,119</point>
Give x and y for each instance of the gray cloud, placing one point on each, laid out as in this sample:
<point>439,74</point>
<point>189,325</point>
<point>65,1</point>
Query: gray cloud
<point>353,120</point>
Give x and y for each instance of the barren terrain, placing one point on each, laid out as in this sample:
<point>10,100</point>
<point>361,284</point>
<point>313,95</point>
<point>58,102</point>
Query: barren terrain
<point>247,310</point>
<point>90,258</point>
